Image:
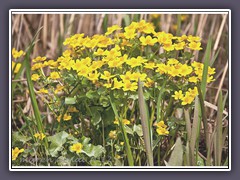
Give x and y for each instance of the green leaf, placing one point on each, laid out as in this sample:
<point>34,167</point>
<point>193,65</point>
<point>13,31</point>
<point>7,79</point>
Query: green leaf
<point>176,158</point>
<point>138,129</point>
<point>128,130</point>
<point>17,137</point>
<point>92,94</point>
<point>57,142</point>
<point>93,151</point>
<point>108,116</point>
<point>70,100</point>
<point>95,162</point>
<point>96,116</point>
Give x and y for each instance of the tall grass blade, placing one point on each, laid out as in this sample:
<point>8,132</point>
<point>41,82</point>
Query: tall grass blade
<point>176,158</point>
<point>194,133</point>
<point>205,68</point>
<point>147,132</point>
<point>159,100</point>
<point>31,90</point>
<point>218,138</point>
<point>126,141</point>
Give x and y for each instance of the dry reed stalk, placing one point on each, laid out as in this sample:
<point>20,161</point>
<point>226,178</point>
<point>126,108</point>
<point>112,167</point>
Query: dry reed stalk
<point>61,25</point>
<point>45,31</point>
<point>19,32</point>
<point>220,86</point>
<point>36,47</point>
<point>15,23</point>
<point>119,19</point>
<point>203,20</point>
<point>70,25</point>
<point>80,23</point>
<point>213,25</point>
<point>219,34</point>
<point>191,30</point>
<point>168,23</point>
<point>99,25</point>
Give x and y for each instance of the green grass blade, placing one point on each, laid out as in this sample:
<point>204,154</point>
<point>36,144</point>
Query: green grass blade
<point>205,69</point>
<point>147,130</point>
<point>31,90</point>
<point>194,133</point>
<point>218,153</point>
<point>188,123</point>
<point>126,141</point>
<point>176,158</point>
<point>159,100</point>
<point>214,58</point>
<point>204,116</point>
<point>178,24</point>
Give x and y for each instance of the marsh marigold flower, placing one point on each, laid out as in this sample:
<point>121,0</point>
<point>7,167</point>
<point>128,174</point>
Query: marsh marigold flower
<point>76,147</point>
<point>35,77</point>
<point>40,136</point>
<point>16,67</point>
<point>16,152</point>
<point>17,54</point>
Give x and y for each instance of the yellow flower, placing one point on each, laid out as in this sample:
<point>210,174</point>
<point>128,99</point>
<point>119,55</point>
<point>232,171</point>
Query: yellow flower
<point>40,136</point>
<point>125,121</point>
<point>93,76</point>
<point>172,61</point>
<point>149,83</point>
<point>134,62</point>
<point>187,99</point>
<point>185,70</point>
<point>44,91</point>
<point>35,77</point>
<point>178,95</point>
<point>117,84</point>
<point>168,46</point>
<point>129,86</point>
<point>54,75</point>
<point>99,52</point>
<point>76,147</point>
<point>107,75</point>
<point>191,38</point>
<point>110,30</point>
<point>67,117</point>
<point>162,131</point>
<point>147,40</point>
<point>193,79</point>
<point>72,109</point>
<point>16,67</point>
<point>17,54</point>
<point>59,88</point>
<point>150,65</point>
<point>193,92</point>
<point>39,59</point>
<point>129,33</point>
<point>112,134</point>
<point>194,45</point>
<point>16,152</point>
<point>162,128</point>
<point>179,46</point>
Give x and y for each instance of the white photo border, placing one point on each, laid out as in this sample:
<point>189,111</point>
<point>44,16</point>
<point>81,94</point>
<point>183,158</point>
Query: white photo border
<point>118,11</point>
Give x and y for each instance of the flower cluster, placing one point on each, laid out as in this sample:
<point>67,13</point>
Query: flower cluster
<point>162,128</point>
<point>40,136</point>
